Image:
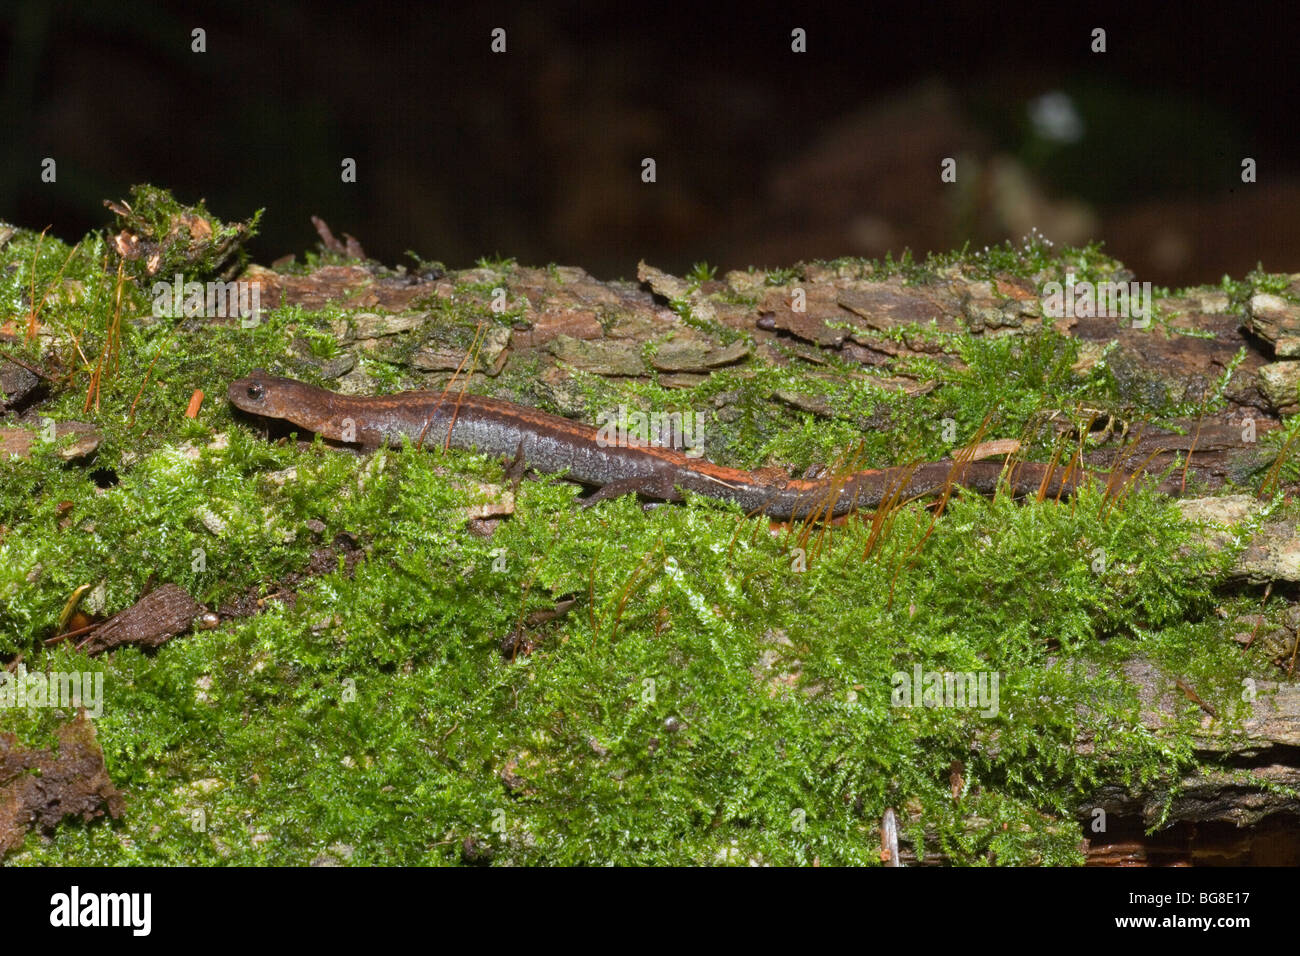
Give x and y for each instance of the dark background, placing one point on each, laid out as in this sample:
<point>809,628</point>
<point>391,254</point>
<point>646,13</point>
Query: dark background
<point>764,156</point>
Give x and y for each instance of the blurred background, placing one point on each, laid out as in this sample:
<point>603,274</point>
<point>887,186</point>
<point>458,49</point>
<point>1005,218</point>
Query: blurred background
<point>764,156</point>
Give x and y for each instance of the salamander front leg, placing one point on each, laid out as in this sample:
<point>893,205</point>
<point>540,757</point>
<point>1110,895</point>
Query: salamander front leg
<point>514,472</point>
<point>658,487</point>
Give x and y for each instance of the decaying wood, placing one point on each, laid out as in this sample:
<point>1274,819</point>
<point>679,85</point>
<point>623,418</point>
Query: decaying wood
<point>1267,745</point>
<point>1243,811</point>
<point>74,440</point>
<point>17,378</point>
<point>851,316</point>
<point>151,622</point>
<point>1202,345</point>
<point>38,788</point>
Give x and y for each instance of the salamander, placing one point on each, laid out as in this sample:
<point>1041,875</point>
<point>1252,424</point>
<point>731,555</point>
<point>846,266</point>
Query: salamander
<point>551,444</point>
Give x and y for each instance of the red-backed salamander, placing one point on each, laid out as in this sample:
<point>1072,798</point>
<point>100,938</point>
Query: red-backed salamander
<point>548,443</point>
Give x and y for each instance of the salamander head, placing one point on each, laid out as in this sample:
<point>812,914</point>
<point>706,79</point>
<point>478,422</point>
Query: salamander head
<point>263,394</point>
<point>298,403</point>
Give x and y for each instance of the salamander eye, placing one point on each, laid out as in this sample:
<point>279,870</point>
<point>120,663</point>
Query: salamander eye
<point>256,391</point>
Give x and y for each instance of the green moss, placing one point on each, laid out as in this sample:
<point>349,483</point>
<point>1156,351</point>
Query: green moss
<point>1240,291</point>
<point>502,264</point>
<point>171,238</point>
<point>782,277</point>
<point>701,273</point>
<point>1034,257</point>
<point>711,327</point>
<point>704,701</point>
